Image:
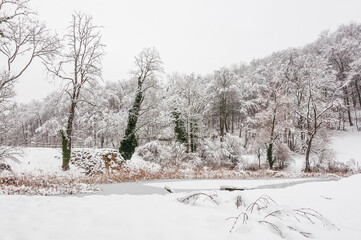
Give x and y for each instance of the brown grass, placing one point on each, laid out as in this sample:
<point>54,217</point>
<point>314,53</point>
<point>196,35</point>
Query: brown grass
<point>66,184</point>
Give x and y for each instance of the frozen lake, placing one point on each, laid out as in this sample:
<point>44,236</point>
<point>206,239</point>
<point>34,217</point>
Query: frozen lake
<point>157,187</point>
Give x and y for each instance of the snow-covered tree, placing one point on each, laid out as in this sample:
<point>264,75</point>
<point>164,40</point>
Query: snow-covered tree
<point>148,66</point>
<point>79,65</point>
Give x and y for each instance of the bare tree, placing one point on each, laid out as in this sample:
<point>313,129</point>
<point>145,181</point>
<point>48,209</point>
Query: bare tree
<point>23,39</point>
<point>79,66</point>
<point>320,95</point>
<point>147,67</point>
<point>10,10</point>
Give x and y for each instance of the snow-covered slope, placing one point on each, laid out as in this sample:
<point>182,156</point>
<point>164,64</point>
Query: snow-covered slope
<point>347,146</point>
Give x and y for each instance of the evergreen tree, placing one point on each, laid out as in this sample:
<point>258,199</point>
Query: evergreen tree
<point>179,127</point>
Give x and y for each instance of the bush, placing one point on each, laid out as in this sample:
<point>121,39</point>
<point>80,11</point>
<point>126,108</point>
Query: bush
<point>325,161</point>
<point>226,153</point>
<point>282,155</point>
<point>163,154</point>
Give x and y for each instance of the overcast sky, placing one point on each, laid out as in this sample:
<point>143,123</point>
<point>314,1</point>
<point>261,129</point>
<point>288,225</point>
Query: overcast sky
<point>191,35</point>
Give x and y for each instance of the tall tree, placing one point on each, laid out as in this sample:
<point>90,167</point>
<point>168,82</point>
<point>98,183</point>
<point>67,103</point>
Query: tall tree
<point>319,97</point>
<point>148,65</point>
<point>223,91</point>
<point>79,66</point>
<point>23,40</point>
<point>187,101</point>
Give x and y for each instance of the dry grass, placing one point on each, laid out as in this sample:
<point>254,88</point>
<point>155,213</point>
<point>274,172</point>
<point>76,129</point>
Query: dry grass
<point>14,183</point>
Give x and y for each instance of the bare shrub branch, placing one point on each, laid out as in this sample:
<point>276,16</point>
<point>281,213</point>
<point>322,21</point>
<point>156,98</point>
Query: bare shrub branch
<point>195,197</point>
<point>244,221</point>
<point>274,227</point>
<point>262,202</point>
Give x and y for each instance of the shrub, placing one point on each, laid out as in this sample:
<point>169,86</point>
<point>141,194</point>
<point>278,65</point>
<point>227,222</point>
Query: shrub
<point>226,153</point>
<point>163,154</point>
<point>325,161</point>
<point>282,155</point>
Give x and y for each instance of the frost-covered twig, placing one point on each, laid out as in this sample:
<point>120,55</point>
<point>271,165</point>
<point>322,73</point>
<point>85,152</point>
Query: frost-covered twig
<point>245,218</point>
<point>282,216</point>
<point>305,234</point>
<point>195,197</point>
<point>311,215</point>
<point>276,214</point>
<point>273,226</point>
<point>262,202</point>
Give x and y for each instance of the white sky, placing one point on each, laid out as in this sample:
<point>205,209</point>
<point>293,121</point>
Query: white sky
<point>190,35</point>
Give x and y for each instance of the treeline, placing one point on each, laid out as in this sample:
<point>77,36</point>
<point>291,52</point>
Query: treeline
<point>288,102</point>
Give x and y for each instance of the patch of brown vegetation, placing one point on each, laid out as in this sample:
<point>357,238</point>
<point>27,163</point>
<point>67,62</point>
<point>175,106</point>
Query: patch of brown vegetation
<point>67,184</point>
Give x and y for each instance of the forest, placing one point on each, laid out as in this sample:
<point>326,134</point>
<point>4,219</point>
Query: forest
<point>290,102</point>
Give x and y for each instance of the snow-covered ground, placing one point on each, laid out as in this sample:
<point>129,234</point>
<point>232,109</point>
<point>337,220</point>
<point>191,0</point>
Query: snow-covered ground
<point>164,217</point>
<point>39,161</point>
<point>347,146</point>
<point>47,161</point>
<point>159,216</point>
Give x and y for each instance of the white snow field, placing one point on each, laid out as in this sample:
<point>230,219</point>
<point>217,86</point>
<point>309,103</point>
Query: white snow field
<point>164,217</point>
<point>47,161</point>
<point>39,161</point>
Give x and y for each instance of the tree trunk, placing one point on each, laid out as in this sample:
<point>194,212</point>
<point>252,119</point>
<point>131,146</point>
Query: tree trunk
<point>358,92</point>
<point>130,142</point>
<point>270,155</point>
<point>356,121</point>
<point>232,126</point>
<point>102,140</point>
<point>66,150</point>
<point>67,137</point>
<point>308,151</point>
<point>222,117</point>
<point>347,103</point>
<point>270,145</point>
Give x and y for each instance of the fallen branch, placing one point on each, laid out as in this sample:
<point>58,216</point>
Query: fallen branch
<point>231,189</point>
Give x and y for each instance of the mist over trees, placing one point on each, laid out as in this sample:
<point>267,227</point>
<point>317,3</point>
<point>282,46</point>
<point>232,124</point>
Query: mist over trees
<point>286,103</point>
